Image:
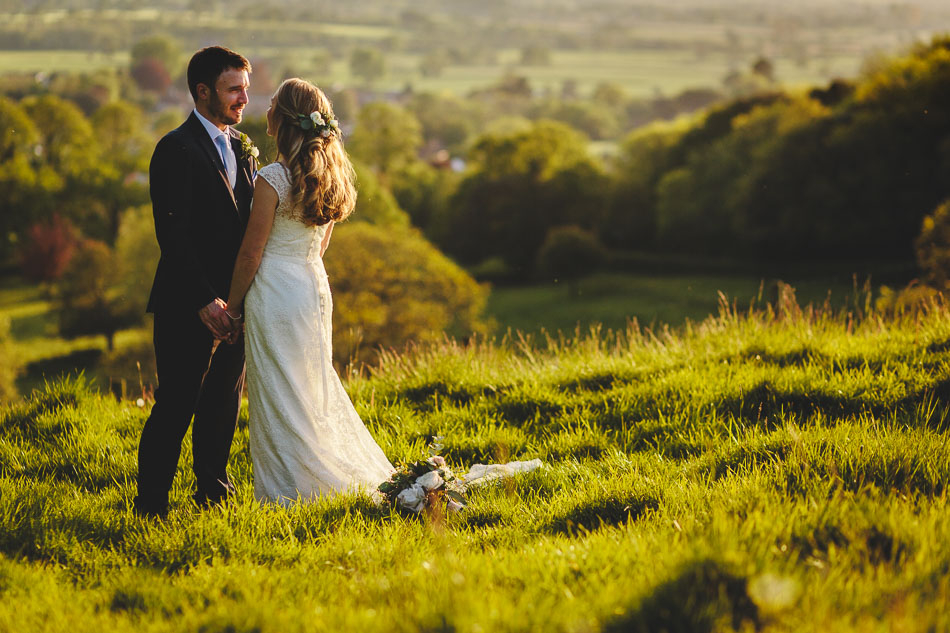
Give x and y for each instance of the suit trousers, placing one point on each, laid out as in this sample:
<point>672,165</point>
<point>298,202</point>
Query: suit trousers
<point>197,377</point>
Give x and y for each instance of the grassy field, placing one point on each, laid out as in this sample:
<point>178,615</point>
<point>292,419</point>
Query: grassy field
<point>59,61</point>
<point>642,73</point>
<point>777,471</point>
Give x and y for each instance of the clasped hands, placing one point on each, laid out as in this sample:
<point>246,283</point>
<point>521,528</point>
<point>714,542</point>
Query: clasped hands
<point>226,325</point>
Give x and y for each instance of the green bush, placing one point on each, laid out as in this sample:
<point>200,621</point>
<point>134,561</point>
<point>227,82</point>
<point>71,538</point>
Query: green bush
<point>392,287</point>
<point>136,256</point>
<point>375,204</point>
<point>568,253</point>
<point>89,302</point>
<point>933,246</point>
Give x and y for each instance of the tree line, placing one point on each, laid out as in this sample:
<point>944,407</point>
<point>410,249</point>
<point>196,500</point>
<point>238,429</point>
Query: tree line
<point>842,172</point>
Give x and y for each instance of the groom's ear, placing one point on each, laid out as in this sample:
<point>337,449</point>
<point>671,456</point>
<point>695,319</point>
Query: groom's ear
<point>203,91</point>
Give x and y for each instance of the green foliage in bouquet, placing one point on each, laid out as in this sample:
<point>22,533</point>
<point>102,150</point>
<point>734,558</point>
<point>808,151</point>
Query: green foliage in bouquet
<point>424,483</point>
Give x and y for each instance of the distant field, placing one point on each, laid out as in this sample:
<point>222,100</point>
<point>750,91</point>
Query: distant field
<point>59,61</point>
<point>642,73</point>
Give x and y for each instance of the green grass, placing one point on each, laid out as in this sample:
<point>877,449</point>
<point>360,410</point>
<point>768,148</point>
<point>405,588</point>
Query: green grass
<point>779,471</point>
<point>614,299</point>
<point>39,348</point>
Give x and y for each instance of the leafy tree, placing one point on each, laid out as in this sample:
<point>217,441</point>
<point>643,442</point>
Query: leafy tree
<point>150,74</point>
<point>569,253</point>
<point>119,134</point>
<point>163,50</point>
<point>933,247</point>
<point>593,119</point>
<point>88,300</point>
<point>23,180</point>
<point>18,134</point>
<point>65,135</point>
<point>645,156</point>
<point>425,193</point>
<point>519,185</point>
<point>609,94</point>
<point>374,203</point>
<point>136,257</point>
<point>701,205</point>
<point>49,247</point>
<point>764,68</point>
<point>447,120</point>
<point>386,137</point>
<point>368,64</point>
<point>391,287</point>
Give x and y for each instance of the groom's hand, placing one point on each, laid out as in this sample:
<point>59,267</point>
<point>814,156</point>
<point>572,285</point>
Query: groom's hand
<point>237,328</point>
<point>214,318</point>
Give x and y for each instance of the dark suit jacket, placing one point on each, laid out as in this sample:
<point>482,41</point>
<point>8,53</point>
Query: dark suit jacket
<point>199,220</point>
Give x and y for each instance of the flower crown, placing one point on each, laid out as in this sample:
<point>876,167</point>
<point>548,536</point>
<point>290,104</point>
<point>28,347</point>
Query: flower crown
<point>320,124</point>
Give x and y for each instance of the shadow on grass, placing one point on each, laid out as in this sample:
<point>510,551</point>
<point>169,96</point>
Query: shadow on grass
<point>703,597</point>
<point>596,513</point>
<point>872,543</point>
<point>21,419</point>
<point>766,405</point>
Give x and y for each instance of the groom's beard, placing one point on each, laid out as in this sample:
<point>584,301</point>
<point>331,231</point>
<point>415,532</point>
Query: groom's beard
<point>228,116</point>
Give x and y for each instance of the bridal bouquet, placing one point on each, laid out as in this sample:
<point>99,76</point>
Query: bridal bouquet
<point>422,483</point>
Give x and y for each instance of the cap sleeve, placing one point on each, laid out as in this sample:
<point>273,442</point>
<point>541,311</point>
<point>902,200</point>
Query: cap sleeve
<point>276,177</point>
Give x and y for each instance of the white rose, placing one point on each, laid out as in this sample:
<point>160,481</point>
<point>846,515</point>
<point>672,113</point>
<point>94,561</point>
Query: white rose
<point>326,133</point>
<point>254,151</point>
<point>413,498</point>
<point>334,123</point>
<point>316,118</point>
<point>430,481</point>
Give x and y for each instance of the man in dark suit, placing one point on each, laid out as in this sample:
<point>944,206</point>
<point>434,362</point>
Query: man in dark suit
<point>201,183</point>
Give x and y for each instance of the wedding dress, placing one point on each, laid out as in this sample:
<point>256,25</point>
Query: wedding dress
<point>306,438</point>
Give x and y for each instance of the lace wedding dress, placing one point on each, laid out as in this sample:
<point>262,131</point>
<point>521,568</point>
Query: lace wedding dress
<point>306,438</point>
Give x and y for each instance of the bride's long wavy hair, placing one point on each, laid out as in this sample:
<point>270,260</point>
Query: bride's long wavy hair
<point>320,170</point>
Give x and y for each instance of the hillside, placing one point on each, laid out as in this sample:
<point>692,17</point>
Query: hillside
<point>783,470</point>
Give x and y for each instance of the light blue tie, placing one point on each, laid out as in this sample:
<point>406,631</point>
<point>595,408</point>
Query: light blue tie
<point>227,156</point>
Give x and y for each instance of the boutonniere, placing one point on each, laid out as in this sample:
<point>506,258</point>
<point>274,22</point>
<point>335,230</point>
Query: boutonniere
<point>249,150</point>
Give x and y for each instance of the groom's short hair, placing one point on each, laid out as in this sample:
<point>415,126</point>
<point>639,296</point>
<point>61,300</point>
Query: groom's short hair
<point>207,65</point>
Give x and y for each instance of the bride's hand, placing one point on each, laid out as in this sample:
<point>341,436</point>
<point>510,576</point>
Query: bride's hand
<point>235,326</point>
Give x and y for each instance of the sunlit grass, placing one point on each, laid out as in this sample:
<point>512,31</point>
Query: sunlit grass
<point>784,470</point>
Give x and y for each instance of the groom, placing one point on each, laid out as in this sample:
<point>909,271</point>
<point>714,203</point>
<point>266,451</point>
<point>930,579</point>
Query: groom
<point>201,183</point>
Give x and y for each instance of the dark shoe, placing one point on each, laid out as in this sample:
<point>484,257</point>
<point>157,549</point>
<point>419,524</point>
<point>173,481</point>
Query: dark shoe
<point>149,510</point>
<point>219,496</point>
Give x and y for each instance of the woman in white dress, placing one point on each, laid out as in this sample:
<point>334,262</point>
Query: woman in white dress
<point>306,438</point>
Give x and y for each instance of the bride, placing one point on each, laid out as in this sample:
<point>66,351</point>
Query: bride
<point>306,438</point>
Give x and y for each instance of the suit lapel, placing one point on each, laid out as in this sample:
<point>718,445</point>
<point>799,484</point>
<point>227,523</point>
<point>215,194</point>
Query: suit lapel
<point>207,145</point>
